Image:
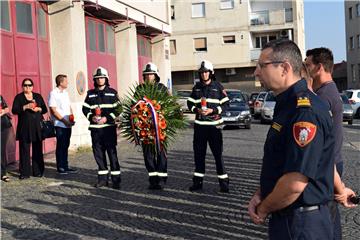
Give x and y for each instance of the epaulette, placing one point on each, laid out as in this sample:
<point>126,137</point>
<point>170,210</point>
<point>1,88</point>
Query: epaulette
<point>303,101</point>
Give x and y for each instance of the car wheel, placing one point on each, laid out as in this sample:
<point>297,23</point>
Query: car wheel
<point>350,122</point>
<point>248,126</point>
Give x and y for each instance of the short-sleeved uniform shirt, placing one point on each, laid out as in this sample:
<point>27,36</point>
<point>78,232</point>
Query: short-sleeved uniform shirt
<point>61,101</point>
<point>300,140</point>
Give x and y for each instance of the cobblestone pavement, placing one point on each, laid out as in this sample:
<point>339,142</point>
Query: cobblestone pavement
<point>69,207</point>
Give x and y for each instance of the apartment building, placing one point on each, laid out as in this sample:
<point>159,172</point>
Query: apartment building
<point>41,39</point>
<point>352,28</point>
<point>230,34</point>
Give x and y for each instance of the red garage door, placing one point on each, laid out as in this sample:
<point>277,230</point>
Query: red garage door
<point>144,53</point>
<point>25,46</point>
<point>100,45</point>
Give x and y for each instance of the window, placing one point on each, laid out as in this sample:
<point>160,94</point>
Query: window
<point>358,9</point>
<point>5,18</point>
<point>350,13</point>
<point>229,39</point>
<point>359,76</point>
<point>226,4</point>
<point>200,44</point>
<point>110,39</point>
<point>198,10</point>
<point>353,72</point>
<point>173,12</point>
<point>358,40</point>
<point>92,35</point>
<point>351,43</point>
<point>23,18</point>
<point>288,15</point>
<point>172,47</point>
<point>41,23</point>
<point>260,41</point>
<point>101,37</point>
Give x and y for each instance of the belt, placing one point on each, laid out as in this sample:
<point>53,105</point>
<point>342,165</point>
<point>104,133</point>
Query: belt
<point>287,212</point>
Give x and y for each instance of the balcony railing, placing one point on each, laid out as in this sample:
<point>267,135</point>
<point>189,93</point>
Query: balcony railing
<point>279,16</point>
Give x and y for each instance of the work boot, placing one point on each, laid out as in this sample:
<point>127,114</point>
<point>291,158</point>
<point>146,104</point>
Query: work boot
<point>116,180</point>
<point>154,183</point>
<point>100,184</point>
<point>116,185</point>
<point>197,184</point>
<point>224,185</point>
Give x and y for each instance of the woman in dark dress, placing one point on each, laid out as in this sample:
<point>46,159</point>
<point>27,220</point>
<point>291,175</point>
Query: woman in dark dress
<point>29,106</point>
<point>5,131</point>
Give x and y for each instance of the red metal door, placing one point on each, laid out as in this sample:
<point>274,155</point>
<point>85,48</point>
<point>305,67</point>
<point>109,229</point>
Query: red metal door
<point>100,45</point>
<point>144,53</point>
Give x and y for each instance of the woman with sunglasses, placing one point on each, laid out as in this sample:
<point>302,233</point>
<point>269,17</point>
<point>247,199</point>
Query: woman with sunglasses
<point>29,106</point>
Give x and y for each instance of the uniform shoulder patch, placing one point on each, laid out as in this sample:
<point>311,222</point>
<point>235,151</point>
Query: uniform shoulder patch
<point>303,102</point>
<point>304,133</point>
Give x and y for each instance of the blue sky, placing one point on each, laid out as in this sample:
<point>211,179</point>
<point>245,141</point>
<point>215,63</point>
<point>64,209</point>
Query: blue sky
<point>325,26</point>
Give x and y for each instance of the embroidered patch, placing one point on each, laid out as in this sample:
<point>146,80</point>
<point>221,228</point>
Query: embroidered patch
<point>303,102</point>
<point>304,133</point>
<point>276,126</point>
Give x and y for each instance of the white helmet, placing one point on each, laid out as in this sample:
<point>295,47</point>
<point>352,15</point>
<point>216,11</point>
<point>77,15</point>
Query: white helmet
<point>100,72</point>
<point>206,66</point>
<point>151,68</point>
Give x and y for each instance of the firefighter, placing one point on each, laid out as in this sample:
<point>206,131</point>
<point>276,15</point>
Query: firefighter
<point>99,108</point>
<point>155,163</point>
<point>208,99</point>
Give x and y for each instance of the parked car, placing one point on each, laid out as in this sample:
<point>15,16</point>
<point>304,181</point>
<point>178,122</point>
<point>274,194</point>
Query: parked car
<point>182,101</point>
<point>348,112</point>
<point>258,104</point>
<point>251,101</point>
<point>267,109</point>
<point>238,113</point>
<point>354,99</point>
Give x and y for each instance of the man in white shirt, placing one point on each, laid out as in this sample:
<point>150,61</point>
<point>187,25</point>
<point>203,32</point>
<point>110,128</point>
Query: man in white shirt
<point>60,108</point>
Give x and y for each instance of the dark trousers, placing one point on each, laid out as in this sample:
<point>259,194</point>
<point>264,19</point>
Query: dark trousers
<point>155,163</point>
<point>37,159</point>
<point>104,140</point>
<point>334,209</point>
<point>203,135</point>
<point>298,225</point>
<point>62,145</point>
<point>4,140</point>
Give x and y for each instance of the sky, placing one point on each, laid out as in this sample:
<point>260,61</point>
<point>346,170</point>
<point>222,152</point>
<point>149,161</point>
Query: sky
<point>325,26</point>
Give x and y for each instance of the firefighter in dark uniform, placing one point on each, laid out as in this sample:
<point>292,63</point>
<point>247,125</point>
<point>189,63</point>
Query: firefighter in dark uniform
<point>155,163</point>
<point>297,175</point>
<point>208,99</point>
<point>99,108</point>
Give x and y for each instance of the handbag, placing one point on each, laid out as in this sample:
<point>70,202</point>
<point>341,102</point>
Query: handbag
<point>47,129</point>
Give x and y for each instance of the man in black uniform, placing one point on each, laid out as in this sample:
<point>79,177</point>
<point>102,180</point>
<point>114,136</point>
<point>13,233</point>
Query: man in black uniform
<point>208,99</point>
<point>297,176</point>
<point>155,163</point>
<point>99,108</point>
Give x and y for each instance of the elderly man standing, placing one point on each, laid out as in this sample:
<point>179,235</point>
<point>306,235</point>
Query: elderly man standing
<point>297,175</point>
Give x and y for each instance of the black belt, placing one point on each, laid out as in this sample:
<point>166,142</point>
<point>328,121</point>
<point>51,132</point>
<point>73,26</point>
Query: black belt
<point>287,212</point>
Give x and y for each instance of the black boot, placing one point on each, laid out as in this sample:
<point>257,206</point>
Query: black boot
<point>102,181</point>
<point>154,183</point>
<point>116,180</point>
<point>197,184</point>
<point>224,185</point>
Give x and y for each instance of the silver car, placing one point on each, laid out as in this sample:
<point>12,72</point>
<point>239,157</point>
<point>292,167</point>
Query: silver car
<point>267,109</point>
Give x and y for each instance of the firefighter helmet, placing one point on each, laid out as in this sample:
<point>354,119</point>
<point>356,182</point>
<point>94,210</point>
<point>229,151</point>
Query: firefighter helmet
<point>206,66</point>
<point>100,72</point>
<point>151,68</point>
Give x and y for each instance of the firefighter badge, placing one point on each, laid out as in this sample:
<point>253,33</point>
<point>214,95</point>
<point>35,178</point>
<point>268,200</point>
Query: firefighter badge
<point>304,133</point>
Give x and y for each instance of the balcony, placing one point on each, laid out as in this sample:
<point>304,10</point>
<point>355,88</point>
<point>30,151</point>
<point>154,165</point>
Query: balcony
<point>273,17</point>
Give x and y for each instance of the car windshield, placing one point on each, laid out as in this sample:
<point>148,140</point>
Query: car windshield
<point>235,96</point>
<point>236,106</point>
<point>253,96</point>
<point>270,97</point>
<point>184,93</point>
<point>349,94</point>
<point>344,99</point>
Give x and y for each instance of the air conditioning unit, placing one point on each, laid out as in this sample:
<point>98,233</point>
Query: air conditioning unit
<point>286,33</point>
<point>230,71</point>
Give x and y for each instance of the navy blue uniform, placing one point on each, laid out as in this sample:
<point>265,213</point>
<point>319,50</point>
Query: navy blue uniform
<point>300,140</point>
<point>103,136</point>
<point>205,129</point>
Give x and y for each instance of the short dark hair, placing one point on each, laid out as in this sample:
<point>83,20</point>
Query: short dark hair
<point>59,79</point>
<point>284,49</point>
<point>27,79</point>
<point>322,55</point>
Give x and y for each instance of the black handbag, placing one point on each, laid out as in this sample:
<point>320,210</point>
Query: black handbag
<point>47,129</point>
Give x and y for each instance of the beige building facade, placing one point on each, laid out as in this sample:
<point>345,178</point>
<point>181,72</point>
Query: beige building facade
<point>352,28</point>
<point>230,34</point>
<point>128,24</point>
